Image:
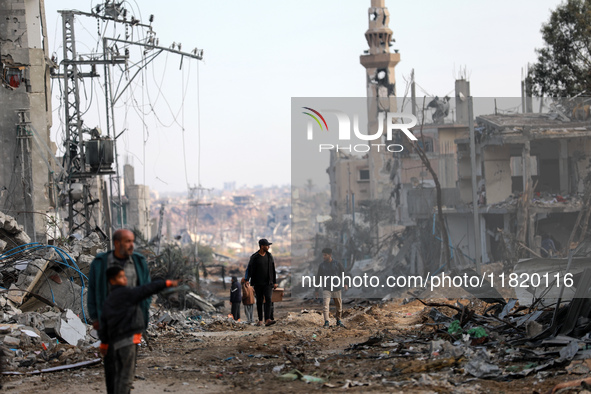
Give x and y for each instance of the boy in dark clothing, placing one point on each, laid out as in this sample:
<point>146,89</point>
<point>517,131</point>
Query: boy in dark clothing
<point>235,298</point>
<point>122,324</point>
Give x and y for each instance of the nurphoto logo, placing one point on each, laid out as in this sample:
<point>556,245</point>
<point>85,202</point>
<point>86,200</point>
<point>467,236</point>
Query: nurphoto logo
<point>344,130</point>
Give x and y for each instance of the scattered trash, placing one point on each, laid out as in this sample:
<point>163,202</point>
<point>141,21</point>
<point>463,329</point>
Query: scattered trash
<point>295,375</point>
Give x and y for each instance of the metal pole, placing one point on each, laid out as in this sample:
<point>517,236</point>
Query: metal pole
<point>110,106</point>
<point>474,185</point>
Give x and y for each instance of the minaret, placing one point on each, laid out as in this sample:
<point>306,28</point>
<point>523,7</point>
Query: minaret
<point>379,65</point>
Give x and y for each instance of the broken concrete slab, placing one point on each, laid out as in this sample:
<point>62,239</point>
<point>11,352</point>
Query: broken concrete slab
<point>15,294</point>
<point>11,341</point>
<point>58,291</point>
<point>71,328</point>
<point>200,302</point>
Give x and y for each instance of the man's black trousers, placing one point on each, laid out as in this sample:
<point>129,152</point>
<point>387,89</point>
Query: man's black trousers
<point>263,293</point>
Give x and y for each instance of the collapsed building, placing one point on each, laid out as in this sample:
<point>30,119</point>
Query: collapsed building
<point>525,177</point>
<point>539,159</point>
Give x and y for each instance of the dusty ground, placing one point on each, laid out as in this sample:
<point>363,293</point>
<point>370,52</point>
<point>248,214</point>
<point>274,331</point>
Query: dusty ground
<point>245,358</point>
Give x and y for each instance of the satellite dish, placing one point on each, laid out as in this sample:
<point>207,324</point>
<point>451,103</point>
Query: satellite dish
<point>461,96</point>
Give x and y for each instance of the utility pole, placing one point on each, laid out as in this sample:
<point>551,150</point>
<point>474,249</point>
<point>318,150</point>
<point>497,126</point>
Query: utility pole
<point>24,137</point>
<point>161,219</point>
<point>476,218</point>
<point>87,159</point>
<point>194,203</point>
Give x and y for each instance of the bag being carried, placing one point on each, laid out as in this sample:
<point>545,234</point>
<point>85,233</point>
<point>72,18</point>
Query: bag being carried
<point>247,293</point>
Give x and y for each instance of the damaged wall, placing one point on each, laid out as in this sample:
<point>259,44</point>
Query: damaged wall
<point>462,235</point>
<point>24,80</point>
<point>497,173</point>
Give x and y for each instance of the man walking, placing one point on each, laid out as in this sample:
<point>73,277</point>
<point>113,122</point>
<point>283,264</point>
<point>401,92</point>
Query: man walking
<point>137,273</point>
<point>329,268</point>
<point>262,276</point>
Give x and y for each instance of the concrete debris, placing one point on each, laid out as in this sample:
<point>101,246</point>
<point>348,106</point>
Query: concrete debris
<point>200,302</point>
<point>11,233</point>
<point>71,328</point>
<point>38,275</point>
<point>11,341</point>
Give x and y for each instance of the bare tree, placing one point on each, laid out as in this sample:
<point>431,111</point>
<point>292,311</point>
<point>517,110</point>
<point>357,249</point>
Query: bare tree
<point>427,163</point>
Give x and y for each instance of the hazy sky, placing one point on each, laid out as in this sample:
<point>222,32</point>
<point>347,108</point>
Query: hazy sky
<point>258,54</point>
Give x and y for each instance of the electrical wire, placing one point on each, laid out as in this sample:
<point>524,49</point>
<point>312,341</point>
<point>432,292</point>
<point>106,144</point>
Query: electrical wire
<point>66,260</point>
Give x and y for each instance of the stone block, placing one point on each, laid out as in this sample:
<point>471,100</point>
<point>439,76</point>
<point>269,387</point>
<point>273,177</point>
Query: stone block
<point>22,238</point>
<point>10,225</point>
<point>52,325</point>
<point>15,295</point>
<point>11,341</point>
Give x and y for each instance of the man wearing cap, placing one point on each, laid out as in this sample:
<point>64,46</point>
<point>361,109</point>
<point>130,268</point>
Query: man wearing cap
<point>262,276</point>
<point>329,268</point>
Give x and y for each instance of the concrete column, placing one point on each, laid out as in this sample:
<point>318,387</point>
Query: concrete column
<point>506,223</point>
<point>525,155</point>
<point>563,166</point>
<point>484,244</point>
<point>531,226</point>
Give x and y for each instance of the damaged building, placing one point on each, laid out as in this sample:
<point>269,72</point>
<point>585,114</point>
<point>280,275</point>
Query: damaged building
<point>529,169</point>
<point>381,175</point>
<point>26,181</point>
<point>540,155</point>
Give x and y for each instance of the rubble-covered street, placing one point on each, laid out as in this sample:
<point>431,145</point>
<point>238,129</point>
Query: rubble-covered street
<point>385,348</point>
<point>402,345</point>
<point>404,226</point>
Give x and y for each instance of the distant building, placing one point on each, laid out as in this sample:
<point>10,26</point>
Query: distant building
<point>229,186</point>
<point>243,200</point>
<point>136,206</point>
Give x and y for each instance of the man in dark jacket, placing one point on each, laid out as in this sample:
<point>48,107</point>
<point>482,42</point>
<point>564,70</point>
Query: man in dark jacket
<point>327,269</point>
<point>137,273</point>
<point>122,324</point>
<point>262,276</point>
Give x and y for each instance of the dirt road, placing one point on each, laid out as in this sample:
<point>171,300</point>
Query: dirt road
<point>242,358</point>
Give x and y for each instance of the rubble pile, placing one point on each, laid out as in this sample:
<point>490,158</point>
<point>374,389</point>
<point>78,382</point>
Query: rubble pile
<point>44,339</point>
<point>543,199</point>
<point>190,320</point>
<point>43,298</point>
<point>36,274</point>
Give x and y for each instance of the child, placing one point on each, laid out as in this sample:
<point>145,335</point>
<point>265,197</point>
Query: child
<point>235,298</point>
<point>248,300</point>
<point>122,323</point>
